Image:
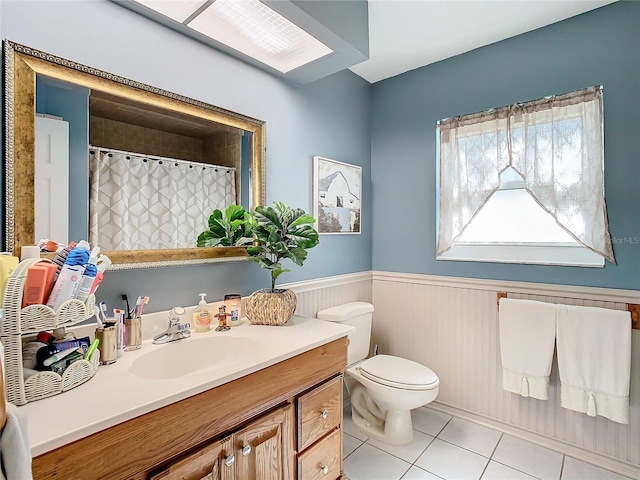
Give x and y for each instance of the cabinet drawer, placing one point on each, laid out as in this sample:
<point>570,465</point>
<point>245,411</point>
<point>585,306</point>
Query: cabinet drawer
<point>323,460</point>
<point>319,412</point>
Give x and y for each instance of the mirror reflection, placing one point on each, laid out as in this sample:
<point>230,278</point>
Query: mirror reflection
<point>129,167</point>
<point>148,175</point>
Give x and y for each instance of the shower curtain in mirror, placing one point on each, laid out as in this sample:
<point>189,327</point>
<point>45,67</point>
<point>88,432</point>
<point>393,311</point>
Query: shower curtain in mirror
<point>139,203</point>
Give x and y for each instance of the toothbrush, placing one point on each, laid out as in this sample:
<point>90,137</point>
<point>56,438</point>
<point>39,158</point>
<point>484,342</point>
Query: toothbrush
<point>96,311</point>
<point>140,303</point>
<point>126,301</point>
<point>121,332</point>
<point>103,309</point>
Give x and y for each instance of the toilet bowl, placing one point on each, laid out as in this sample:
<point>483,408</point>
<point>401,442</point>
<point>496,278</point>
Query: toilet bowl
<point>384,388</point>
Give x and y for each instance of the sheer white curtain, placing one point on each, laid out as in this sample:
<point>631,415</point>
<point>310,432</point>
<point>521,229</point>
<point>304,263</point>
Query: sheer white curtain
<point>555,144</point>
<point>137,204</point>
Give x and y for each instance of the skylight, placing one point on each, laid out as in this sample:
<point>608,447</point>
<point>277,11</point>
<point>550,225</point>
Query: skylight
<point>248,26</point>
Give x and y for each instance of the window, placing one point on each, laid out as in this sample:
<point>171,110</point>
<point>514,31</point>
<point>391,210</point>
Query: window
<point>524,184</point>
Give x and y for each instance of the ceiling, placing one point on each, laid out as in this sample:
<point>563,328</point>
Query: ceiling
<point>404,35</point>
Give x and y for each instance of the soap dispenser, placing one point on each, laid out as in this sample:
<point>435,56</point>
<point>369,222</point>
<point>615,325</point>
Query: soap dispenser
<point>202,315</point>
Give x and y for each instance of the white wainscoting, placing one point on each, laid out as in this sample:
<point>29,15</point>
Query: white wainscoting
<point>314,295</point>
<point>451,325</point>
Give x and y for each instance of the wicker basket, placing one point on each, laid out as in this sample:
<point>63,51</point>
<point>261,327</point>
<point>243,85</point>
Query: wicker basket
<point>33,319</point>
<point>271,307</point>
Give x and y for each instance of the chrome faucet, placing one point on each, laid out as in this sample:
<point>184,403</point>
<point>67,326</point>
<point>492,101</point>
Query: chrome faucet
<point>176,330</point>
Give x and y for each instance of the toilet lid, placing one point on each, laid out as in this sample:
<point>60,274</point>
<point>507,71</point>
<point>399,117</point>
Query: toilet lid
<point>398,372</point>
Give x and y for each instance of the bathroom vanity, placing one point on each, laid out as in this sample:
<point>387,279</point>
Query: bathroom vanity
<point>274,411</point>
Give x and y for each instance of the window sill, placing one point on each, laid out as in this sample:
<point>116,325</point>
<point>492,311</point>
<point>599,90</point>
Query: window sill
<point>564,255</point>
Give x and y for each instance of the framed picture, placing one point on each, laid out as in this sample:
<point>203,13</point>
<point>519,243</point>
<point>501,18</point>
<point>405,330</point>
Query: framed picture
<point>337,195</point>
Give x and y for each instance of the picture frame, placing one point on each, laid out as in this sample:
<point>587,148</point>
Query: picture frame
<point>337,196</point>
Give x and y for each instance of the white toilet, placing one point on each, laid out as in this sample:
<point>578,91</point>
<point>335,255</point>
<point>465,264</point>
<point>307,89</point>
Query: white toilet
<point>383,389</point>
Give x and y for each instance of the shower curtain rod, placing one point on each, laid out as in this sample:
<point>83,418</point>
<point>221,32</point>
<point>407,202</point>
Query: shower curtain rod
<point>156,157</point>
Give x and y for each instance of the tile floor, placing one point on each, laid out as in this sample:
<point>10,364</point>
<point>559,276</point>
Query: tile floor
<point>451,448</point>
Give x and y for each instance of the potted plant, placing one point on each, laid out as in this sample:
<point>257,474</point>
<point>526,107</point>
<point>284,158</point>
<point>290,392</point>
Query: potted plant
<point>280,232</point>
<point>231,229</point>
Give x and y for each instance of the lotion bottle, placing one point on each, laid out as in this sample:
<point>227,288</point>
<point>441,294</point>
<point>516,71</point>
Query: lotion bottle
<point>89,276</point>
<point>202,315</point>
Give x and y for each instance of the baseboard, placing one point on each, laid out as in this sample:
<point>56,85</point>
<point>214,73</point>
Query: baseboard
<point>603,461</point>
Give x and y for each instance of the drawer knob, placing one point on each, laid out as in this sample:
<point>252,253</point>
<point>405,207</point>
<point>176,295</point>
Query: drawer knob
<point>228,461</point>
<point>325,413</point>
<point>324,469</point>
<point>246,450</point>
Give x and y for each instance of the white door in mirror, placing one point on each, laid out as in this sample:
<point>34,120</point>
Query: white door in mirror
<point>52,179</point>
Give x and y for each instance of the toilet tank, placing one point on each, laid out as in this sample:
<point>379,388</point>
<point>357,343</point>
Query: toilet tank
<point>358,315</point>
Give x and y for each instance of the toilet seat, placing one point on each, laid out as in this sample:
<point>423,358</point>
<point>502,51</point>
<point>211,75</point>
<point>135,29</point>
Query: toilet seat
<point>398,373</point>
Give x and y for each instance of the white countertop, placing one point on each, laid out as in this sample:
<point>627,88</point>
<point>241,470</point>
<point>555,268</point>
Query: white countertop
<point>115,394</point>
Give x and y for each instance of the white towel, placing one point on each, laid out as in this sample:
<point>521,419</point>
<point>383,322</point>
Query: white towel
<point>527,338</point>
<point>594,361</point>
<point>15,452</point>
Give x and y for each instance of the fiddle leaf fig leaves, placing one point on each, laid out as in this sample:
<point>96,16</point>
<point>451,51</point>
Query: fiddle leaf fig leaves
<point>272,234</point>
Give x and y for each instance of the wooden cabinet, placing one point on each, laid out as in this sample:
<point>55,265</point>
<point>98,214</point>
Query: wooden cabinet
<point>262,450</point>
<point>215,460</point>
<point>319,432</point>
<point>323,460</point>
<point>279,412</point>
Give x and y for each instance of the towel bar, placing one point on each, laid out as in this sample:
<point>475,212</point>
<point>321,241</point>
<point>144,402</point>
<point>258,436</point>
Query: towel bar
<point>632,308</point>
<point>3,400</point>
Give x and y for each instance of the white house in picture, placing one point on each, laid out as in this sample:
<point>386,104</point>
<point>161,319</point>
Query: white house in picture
<point>334,192</point>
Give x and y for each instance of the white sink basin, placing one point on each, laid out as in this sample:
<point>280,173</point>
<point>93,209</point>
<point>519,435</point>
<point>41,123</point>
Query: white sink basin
<point>191,356</point>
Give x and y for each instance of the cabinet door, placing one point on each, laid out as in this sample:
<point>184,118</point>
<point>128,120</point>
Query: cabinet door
<point>264,448</point>
<point>212,462</point>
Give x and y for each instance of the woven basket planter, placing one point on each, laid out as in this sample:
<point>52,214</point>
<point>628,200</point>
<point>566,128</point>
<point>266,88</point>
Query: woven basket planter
<point>270,307</point>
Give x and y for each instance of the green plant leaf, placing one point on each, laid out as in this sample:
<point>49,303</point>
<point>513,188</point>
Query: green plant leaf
<point>303,219</point>
<point>208,239</point>
<point>231,229</point>
<point>297,255</point>
<point>235,212</point>
<point>268,218</point>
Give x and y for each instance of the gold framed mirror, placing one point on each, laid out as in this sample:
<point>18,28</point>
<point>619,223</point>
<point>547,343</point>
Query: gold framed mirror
<point>24,65</point>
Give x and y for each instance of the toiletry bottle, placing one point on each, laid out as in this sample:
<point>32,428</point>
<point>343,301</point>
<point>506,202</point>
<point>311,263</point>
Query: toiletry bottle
<point>88,276</point>
<point>51,278</point>
<point>69,278</point>
<point>60,335</point>
<point>7,264</point>
<point>29,251</point>
<point>103,264</point>
<point>33,292</point>
<point>233,302</point>
<point>202,315</point>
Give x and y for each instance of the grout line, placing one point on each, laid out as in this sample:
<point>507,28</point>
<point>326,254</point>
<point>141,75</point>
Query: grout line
<point>517,470</point>
<point>464,448</point>
<point>484,469</point>
<point>496,447</point>
<point>343,458</point>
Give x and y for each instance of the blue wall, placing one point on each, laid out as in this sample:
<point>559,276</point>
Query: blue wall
<point>71,102</point>
<point>391,122</point>
<point>601,47</point>
<point>328,117</point>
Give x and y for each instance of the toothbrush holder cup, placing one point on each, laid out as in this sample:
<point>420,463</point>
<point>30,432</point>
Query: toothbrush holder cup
<point>108,337</point>
<point>133,333</point>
